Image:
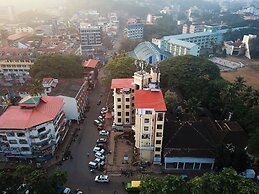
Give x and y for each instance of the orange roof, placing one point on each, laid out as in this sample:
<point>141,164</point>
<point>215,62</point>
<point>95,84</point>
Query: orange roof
<point>122,83</point>
<point>90,63</point>
<point>16,118</point>
<point>150,99</point>
<point>18,36</point>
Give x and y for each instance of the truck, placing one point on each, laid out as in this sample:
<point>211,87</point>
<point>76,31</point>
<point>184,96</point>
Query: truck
<point>133,186</point>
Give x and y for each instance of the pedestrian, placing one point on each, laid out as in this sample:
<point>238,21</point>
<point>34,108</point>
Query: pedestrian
<point>88,154</point>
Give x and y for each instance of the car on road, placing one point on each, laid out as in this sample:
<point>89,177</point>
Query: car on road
<point>102,179</point>
<point>93,164</point>
<point>104,109</point>
<point>103,132</point>
<point>96,149</point>
<point>100,128</point>
<point>99,161</point>
<point>78,191</point>
<point>99,155</point>
<point>99,102</point>
<point>101,140</point>
<point>98,123</point>
<point>66,191</point>
<point>101,145</point>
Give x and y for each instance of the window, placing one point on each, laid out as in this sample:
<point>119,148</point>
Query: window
<point>145,136</point>
<point>146,121</point>
<point>127,113</point>
<point>160,116</point>
<point>157,156</point>
<point>41,130</point>
<point>119,106</point>
<point>10,134</point>
<point>12,141</point>
<point>159,126</point>
<point>23,141</point>
<point>127,106</point>
<point>119,113</point>
<point>119,120</point>
<point>127,120</point>
<point>127,99</point>
<point>157,149</point>
<point>25,149</point>
<point>20,134</point>
<point>119,99</point>
<point>148,112</point>
<point>159,134</point>
<point>146,128</point>
<point>158,141</point>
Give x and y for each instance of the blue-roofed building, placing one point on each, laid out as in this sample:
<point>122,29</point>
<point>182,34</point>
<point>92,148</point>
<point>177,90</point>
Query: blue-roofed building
<point>149,52</point>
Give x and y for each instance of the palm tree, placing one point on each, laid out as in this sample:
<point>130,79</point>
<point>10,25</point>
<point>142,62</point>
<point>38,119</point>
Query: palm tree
<point>35,87</point>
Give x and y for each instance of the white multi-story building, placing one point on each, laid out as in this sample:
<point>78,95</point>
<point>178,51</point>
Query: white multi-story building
<point>134,29</point>
<point>24,29</point>
<point>33,129</point>
<point>90,37</point>
<point>123,95</point>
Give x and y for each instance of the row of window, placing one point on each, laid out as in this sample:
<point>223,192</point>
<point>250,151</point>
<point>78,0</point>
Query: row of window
<point>126,106</point>
<point>126,99</point>
<point>159,126</point>
<point>127,120</point>
<point>21,141</point>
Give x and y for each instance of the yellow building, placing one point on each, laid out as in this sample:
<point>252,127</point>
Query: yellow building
<point>149,124</point>
<point>123,95</point>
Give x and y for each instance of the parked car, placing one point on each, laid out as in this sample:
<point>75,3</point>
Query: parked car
<point>93,164</point>
<point>101,140</point>
<point>96,149</point>
<point>99,161</point>
<point>103,132</point>
<point>102,179</point>
<point>101,145</point>
<point>99,155</point>
<point>78,191</point>
<point>102,151</point>
<point>100,128</point>
<point>66,191</point>
<point>98,123</point>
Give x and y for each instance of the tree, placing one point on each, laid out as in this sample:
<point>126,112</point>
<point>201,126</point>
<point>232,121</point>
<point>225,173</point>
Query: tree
<point>34,87</point>
<point>170,100</point>
<point>193,75</point>
<point>57,66</point>
<point>253,143</point>
<point>127,45</point>
<point>121,66</point>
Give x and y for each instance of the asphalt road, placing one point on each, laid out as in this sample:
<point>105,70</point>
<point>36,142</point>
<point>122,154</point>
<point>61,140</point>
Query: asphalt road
<point>79,175</point>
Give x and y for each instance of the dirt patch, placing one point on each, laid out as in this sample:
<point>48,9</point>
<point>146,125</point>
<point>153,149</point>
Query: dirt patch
<point>250,72</point>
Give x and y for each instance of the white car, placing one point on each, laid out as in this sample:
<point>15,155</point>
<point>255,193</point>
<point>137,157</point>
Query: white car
<point>101,140</point>
<point>104,109</point>
<point>66,190</point>
<point>102,179</point>
<point>103,132</point>
<point>98,123</point>
<point>96,149</point>
<point>99,155</point>
<point>102,151</point>
<point>99,161</point>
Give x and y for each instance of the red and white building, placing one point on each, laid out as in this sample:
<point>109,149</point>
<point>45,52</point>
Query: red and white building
<point>33,129</point>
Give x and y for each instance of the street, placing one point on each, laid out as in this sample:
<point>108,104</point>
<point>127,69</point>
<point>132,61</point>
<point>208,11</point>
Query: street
<point>79,175</point>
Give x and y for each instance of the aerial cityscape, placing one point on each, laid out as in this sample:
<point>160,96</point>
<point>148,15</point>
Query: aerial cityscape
<point>136,97</point>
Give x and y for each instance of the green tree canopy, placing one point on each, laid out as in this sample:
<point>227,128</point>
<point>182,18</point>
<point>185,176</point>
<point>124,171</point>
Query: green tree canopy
<point>120,66</point>
<point>57,66</point>
<point>191,74</point>
<point>34,180</point>
<point>225,182</point>
<point>127,45</point>
<point>170,100</point>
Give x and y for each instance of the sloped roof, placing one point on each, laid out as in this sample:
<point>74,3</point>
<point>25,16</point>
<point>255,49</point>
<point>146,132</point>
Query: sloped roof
<point>150,99</point>
<point>91,63</point>
<point>18,36</point>
<point>18,118</point>
<point>122,83</point>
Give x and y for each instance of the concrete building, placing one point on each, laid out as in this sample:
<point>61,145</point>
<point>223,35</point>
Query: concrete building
<point>123,95</point>
<point>90,37</point>
<point>134,29</point>
<point>246,41</point>
<point>149,52</point>
<point>33,129</point>
<point>91,68</point>
<point>24,29</point>
<point>193,28</point>
<point>149,124</point>
<point>74,93</point>
<point>15,62</point>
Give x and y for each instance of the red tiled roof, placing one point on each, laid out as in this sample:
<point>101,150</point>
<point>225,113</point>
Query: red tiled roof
<point>18,36</point>
<point>150,99</point>
<point>90,63</point>
<point>122,83</point>
<point>16,118</point>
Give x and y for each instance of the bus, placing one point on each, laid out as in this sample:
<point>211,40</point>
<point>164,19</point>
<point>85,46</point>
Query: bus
<point>133,186</point>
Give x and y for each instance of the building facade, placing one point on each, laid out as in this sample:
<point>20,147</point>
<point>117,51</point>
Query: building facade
<point>134,29</point>
<point>90,37</point>
<point>123,95</point>
<point>36,129</point>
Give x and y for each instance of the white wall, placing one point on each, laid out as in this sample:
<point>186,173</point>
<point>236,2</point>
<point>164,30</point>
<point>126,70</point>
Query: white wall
<point>70,108</point>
